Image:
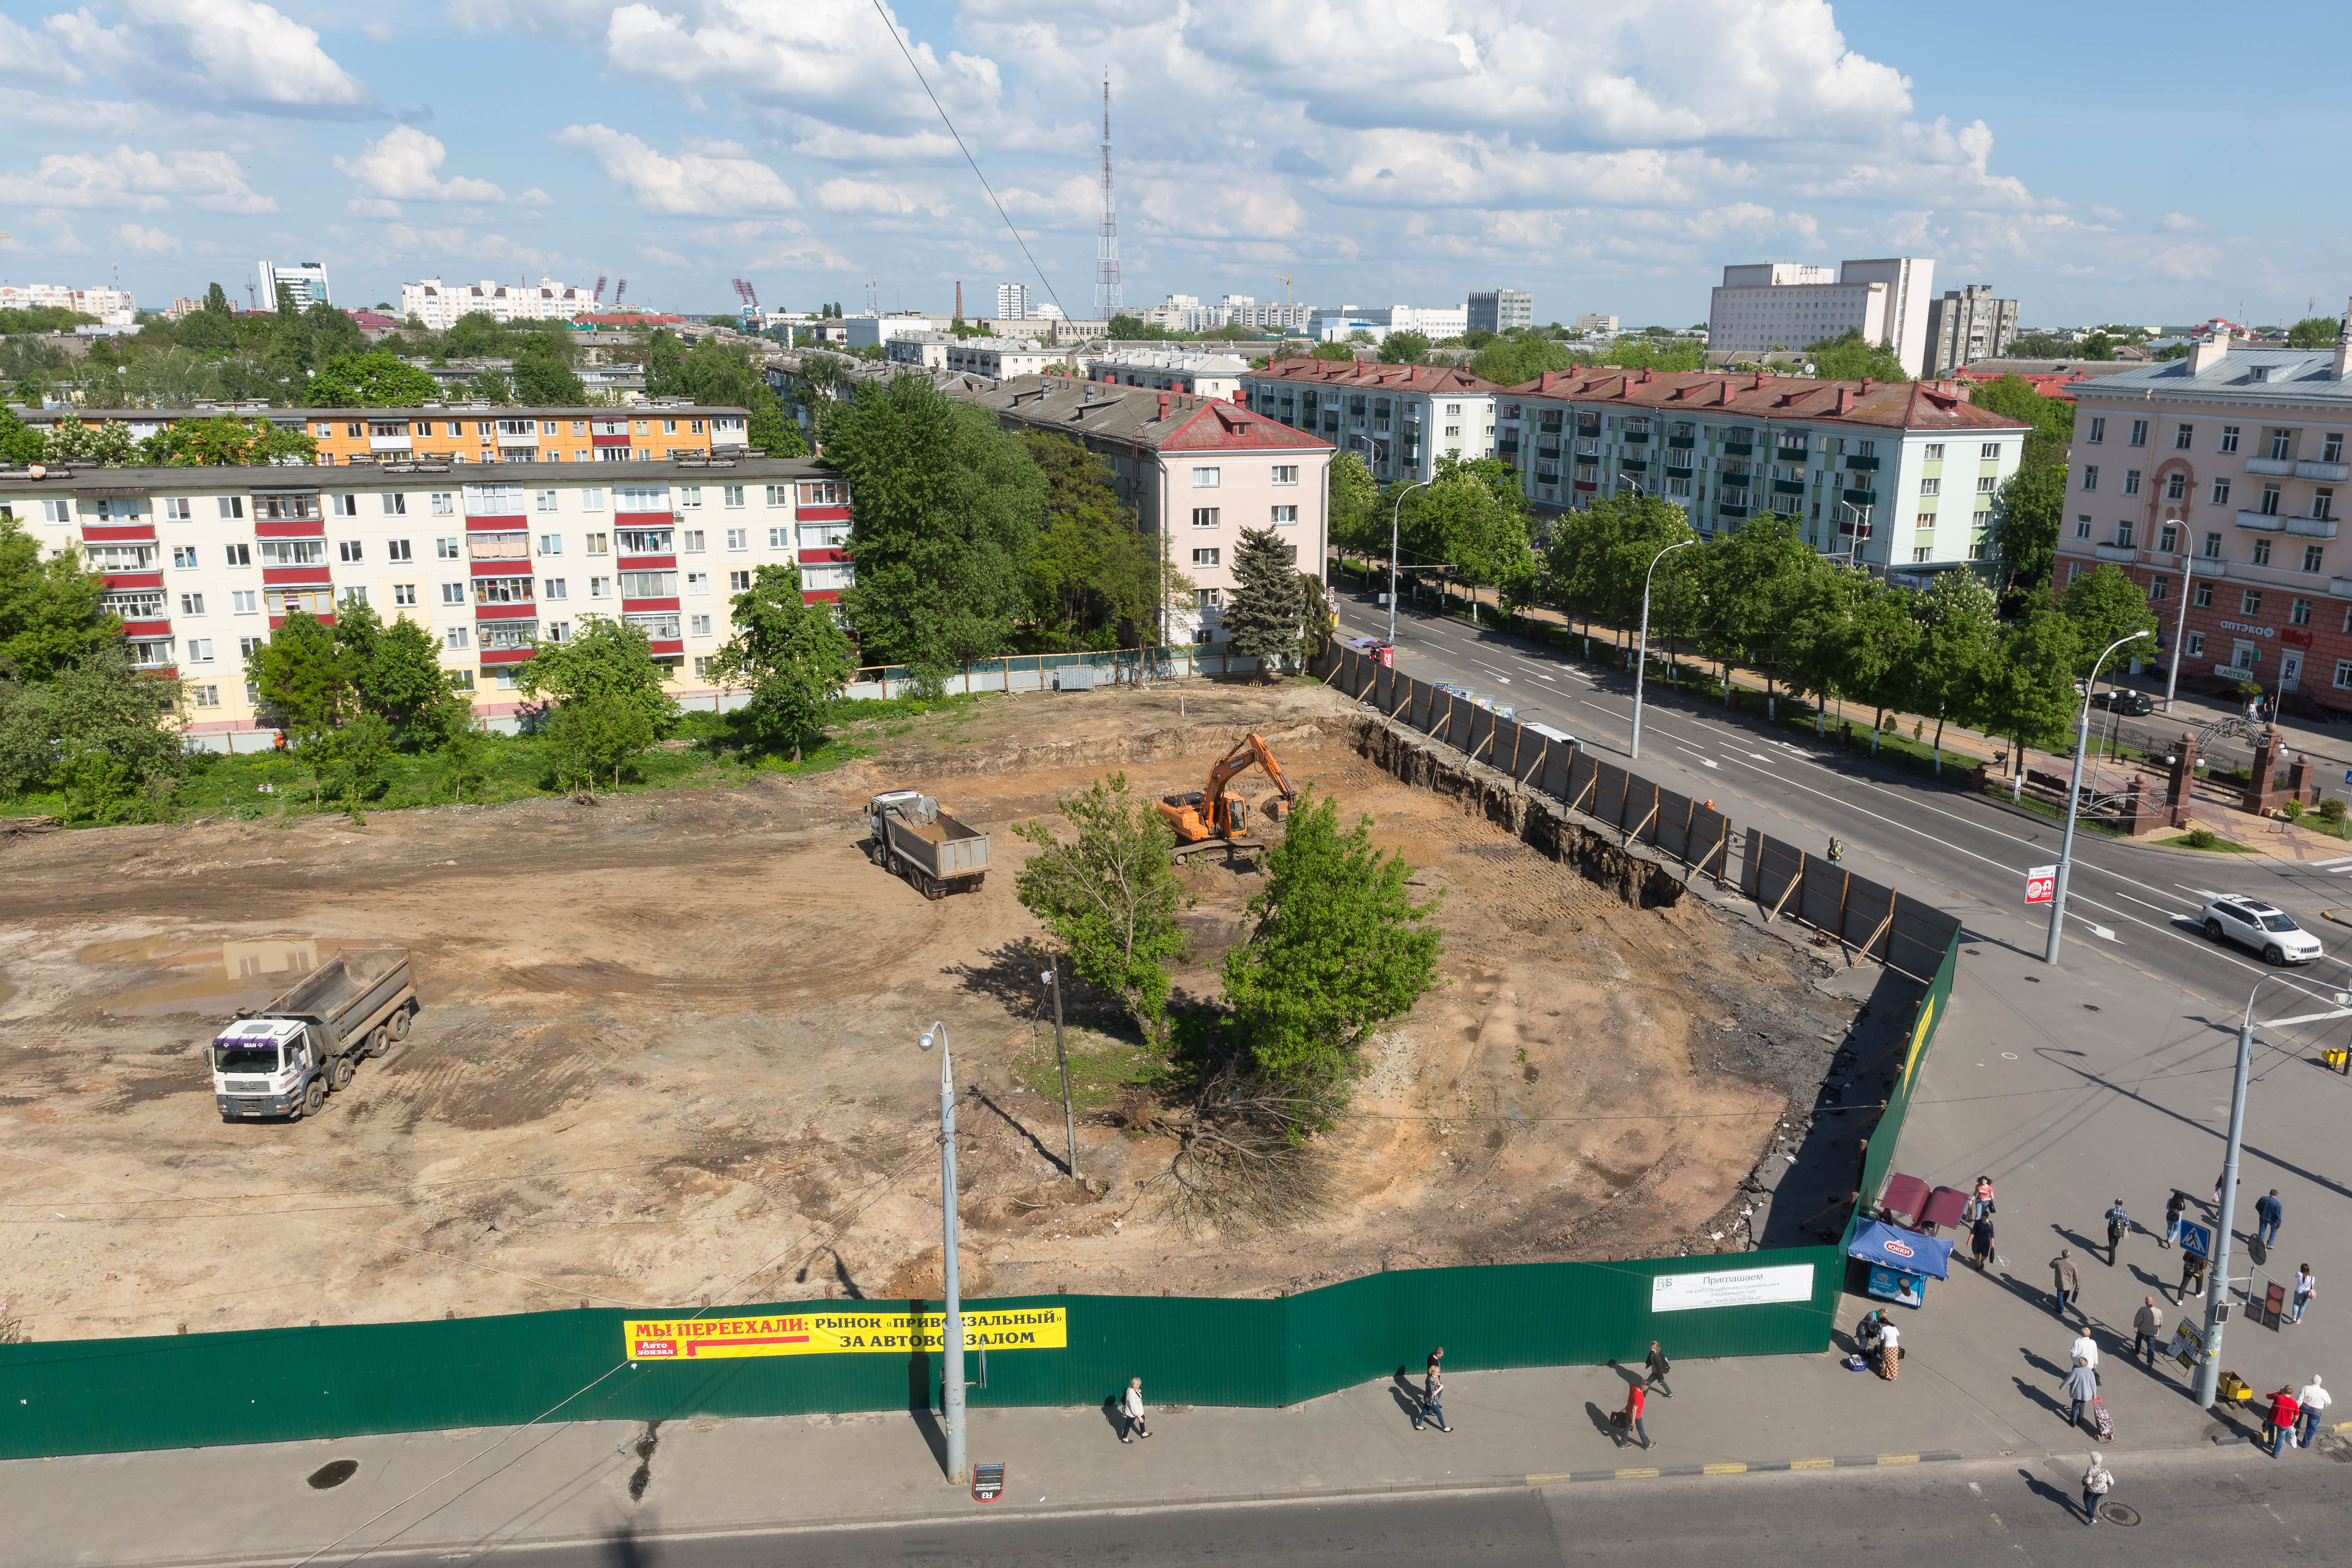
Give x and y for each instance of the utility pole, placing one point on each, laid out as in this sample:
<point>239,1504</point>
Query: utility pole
<point>2180,617</point>
<point>1061,1059</point>
<point>952,1389</point>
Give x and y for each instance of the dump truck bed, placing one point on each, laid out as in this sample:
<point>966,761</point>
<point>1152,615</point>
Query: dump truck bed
<point>347,985</point>
<point>943,846</point>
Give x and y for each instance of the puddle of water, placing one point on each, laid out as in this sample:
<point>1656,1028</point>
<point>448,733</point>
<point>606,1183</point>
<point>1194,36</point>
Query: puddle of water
<point>212,978</point>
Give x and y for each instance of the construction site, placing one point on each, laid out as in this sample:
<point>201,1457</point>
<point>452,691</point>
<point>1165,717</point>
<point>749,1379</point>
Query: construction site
<point>664,1046</point>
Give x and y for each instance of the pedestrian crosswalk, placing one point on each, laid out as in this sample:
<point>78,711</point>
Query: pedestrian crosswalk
<point>2335,868</point>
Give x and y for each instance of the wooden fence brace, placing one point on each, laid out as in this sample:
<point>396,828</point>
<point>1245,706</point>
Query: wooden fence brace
<point>1485,744</point>
<point>1517,741</point>
<point>1408,697</point>
<point>1690,818</point>
<point>1636,833</point>
<point>1722,856</point>
<point>1590,784</point>
<point>1871,940</point>
<point>1846,891</point>
<point>1795,882</point>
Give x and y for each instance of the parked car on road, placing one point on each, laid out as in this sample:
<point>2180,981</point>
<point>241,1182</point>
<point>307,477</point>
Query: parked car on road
<point>2268,930</point>
<point>2123,700</point>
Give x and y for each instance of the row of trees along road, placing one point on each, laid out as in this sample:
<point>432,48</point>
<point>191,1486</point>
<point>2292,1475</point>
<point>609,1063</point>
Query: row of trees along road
<point>1336,947</point>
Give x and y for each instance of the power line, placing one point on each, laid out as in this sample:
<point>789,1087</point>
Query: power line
<point>895,38</point>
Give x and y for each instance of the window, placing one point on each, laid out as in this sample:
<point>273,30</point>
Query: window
<point>559,631</point>
<point>355,596</point>
<point>655,584</point>
<point>1934,452</point>
<point>2261,551</point>
<point>544,500</point>
<point>697,625</point>
<point>453,593</point>
<point>690,541</point>
<point>825,492</point>
<point>445,503</point>
<point>2170,540</point>
<point>1204,478</point>
<point>230,506</point>
<point>702,662</point>
<point>2158,587</point>
<point>695,582</point>
<point>1204,516</point>
<point>183,556</point>
<point>600,544</point>
<point>1286,514</point>
<point>2091,477</point>
<point>2140,433</point>
<point>2203,597</point>
<point>175,508</point>
<point>343,506</point>
<point>738,538</point>
<point>403,594</point>
<point>2098,432</point>
<point>348,551</point>
<point>731,495</point>
<point>2229,437</point>
<point>244,602</point>
<point>2282,445</point>
<point>1921,553</point>
<point>2331,451</point>
<point>1989,451</point>
<point>689,498</point>
<point>2269,506</point>
<point>738,582</point>
<point>1454,432</point>
<point>200,651</point>
<point>456,637</point>
<point>599,587</point>
<point>551,544</point>
<point>2250,602</point>
<point>2220,493</point>
<point>1286,473</point>
<point>592,499</point>
<point>2131,482</point>
<point>780,539</point>
<point>502,591</point>
<point>2299,613</point>
<point>316,601</point>
<point>1925,520</point>
<point>2073,571</point>
<point>2124,535</point>
<point>293,551</point>
<point>1932,487</point>
<point>2323,503</point>
<point>1207,598</point>
<point>191,603</point>
<point>204,696</point>
<point>2311,557</point>
<point>2180,437</point>
<point>1205,557</point>
<point>2082,528</point>
<point>2176,486</point>
<point>448,549</point>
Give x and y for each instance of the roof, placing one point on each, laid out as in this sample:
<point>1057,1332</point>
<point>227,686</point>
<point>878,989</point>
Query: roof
<point>91,480</point>
<point>1191,423</point>
<point>1368,375</point>
<point>1874,405</point>
<point>1985,369</point>
<point>2258,374</point>
<point>1169,359</point>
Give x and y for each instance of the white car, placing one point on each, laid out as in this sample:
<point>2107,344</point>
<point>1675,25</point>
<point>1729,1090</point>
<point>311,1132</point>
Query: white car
<point>2266,928</point>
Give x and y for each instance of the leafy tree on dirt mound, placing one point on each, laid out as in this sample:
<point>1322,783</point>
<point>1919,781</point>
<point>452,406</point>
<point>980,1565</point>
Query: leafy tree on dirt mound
<point>607,696</point>
<point>97,729</point>
<point>791,654</point>
<point>303,676</point>
<point>50,612</point>
<point>1112,896</point>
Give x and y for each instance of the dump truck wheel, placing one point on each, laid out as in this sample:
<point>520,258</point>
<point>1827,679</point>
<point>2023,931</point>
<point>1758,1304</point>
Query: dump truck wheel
<point>312,1099</point>
<point>379,1040</point>
<point>339,1072</point>
<point>400,1023</point>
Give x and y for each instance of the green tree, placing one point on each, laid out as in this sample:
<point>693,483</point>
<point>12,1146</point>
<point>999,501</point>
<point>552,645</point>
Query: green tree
<point>304,678</point>
<point>1112,896</point>
<point>19,442</point>
<point>2315,333</point>
<point>350,760</point>
<point>1849,356</point>
<point>207,331</point>
<point>603,659</point>
<point>375,379</point>
<point>114,738</point>
<point>108,443</point>
<point>396,672</point>
<point>217,301</point>
<point>1959,632</point>
<point>490,386</point>
<point>2026,513</point>
<point>1756,581</point>
<point>1473,517</point>
<point>2098,346</point>
<point>1882,640</point>
<point>1333,352</point>
<point>2051,419</point>
<point>1510,360</point>
<point>792,656</point>
<point>2106,605</point>
<point>543,378</point>
<point>948,508</point>
<point>463,753</point>
<point>1336,947</point>
<point>1097,581</point>
<point>1405,348</point>
<point>1124,328</point>
<point>594,736</point>
<point>2031,695</point>
<point>227,441</point>
<point>1266,618</point>
<point>1359,520</point>
<point>51,612</point>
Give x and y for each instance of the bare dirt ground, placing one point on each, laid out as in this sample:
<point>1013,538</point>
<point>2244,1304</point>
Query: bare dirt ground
<point>668,1051</point>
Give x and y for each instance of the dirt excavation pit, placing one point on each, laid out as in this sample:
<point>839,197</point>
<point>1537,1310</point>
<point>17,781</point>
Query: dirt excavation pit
<point>667,1050</point>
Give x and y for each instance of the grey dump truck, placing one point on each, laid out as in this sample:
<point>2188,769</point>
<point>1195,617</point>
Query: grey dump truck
<point>282,1060</point>
<point>912,838</point>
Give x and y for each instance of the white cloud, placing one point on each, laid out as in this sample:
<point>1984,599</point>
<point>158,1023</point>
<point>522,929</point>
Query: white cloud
<point>2180,223</point>
<point>146,241</point>
<point>862,196</point>
<point>239,54</point>
<point>403,164</point>
<point>692,185</point>
<point>372,207</point>
<point>142,181</point>
<point>21,50</point>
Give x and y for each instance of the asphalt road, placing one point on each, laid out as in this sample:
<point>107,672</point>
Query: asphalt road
<point>2231,1505</point>
<point>2128,904</point>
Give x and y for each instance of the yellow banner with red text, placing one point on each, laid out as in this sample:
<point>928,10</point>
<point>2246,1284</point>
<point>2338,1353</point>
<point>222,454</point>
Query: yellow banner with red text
<point>841,1332</point>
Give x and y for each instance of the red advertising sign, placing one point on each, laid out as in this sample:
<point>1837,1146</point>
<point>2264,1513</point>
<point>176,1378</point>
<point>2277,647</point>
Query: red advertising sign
<point>2041,884</point>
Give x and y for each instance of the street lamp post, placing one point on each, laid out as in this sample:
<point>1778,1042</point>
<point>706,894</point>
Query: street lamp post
<point>2073,800</point>
<point>1642,658</point>
<point>1061,1059</point>
<point>951,1331</point>
<point>1396,519</point>
<point>2179,623</point>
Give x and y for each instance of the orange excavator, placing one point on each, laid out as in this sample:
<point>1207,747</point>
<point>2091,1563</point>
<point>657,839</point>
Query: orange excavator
<point>1215,816</point>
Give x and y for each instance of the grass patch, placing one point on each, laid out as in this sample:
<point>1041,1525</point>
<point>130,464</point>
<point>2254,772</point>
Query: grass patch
<point>1102,1069</point>
<point>2206,838</point>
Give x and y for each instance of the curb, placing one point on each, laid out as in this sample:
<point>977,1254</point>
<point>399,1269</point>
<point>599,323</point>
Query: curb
<point>1849,1462</point>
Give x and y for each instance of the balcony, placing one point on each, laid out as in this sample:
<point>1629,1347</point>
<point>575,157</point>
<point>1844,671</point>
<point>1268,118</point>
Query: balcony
<point>1859,497</point>
<point>1740,448</point>
<point>1861,465</point>
<point>1789,487</point>
<point>2123,554</point>
<point>1732,509</point>
<point>1637,434</point>
<point>1632,465</point>
<point>2262,521</point>
<point>1682,443</point>
<point>2334,472</point>
<point>2279,466</point>
<point>1547,449</point>
<point>2312,527</point>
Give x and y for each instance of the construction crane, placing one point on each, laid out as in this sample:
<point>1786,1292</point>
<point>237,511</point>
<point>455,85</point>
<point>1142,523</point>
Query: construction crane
<point>749,295</point>
<point>1216,818</point>
<point>599,295</point>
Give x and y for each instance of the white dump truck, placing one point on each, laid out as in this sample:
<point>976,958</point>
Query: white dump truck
<point>913,838</point>
<point>285,1059</point>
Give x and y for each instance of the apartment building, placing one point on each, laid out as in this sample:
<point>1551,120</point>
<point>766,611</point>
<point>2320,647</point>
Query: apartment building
<point>2224,475</point>
<point>305,280</point>
<point>1197,470</point>
<point>1780,304</point>
<point>440,305</point>
<point>112,307</point>
<point>1967,325</point>
<point>461,434</point>
<point>1013,301</point>
<point>1895,476</point>
<point>1166,370</point>
<point>1002,358</point>
<point>927,351</point>
<point>1500,311</point>
<point>865,331</point>
<point>1435,322</point>
<point>203,562</point>
<point>1400,418</point>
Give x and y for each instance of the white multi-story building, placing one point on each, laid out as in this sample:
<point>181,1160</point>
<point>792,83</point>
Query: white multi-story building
<point>1603,324</point>
<point>112,307</point>
<point>203,562</point>
<point>1400,418</point>
<point>1787,305</point>
<point>1898,475</point>
<point>1167,370</point>
<point>440,305</point>
<point>306,280</point>
<point>865,331</point>
<point>1437,323</point>
<point>1013,301</point>
<point>1001,359</point>
<point>1501,310</point>
<point>927,350</point>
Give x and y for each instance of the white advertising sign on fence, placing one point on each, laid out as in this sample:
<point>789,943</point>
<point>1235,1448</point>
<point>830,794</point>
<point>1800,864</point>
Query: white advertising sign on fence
<point>1733,1288</point>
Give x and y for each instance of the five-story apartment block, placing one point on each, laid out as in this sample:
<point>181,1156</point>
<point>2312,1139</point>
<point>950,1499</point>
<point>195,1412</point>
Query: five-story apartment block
<point>463,433</point>
<point>1399,418</point>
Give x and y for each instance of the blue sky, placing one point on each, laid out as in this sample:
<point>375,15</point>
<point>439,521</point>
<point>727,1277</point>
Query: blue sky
<point>2099,161</point>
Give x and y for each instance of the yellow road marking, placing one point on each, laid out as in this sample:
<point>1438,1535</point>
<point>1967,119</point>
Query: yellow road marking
<point>1637,1475</point>
<point>1813,1464</point>
<point>1898,1458</point>
<point>1723,1469</point>
<point>1550,1480</point>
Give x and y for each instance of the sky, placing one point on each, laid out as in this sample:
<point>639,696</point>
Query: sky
<point>1608,157</point>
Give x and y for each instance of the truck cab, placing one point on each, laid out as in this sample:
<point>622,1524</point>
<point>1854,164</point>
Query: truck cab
<point>266,1067</point>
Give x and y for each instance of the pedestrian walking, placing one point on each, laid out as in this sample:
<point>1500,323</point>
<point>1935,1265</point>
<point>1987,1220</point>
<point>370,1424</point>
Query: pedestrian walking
<point>2305,1288</point>
<point>2217,1187</point>
<point>1890,1350</point>
<point>2147,1330</point>
<point>2065,1282</point>
<point>2286,1411</point>
<point>2270,1212</point>
<point>1984,1194</point>
<point>2098,1482</point>
<point>2313,1399</point>
<point>1655,1367</point>
<point>2086,1348</point>
<point>2119,1225</point>
<point>2192,1275</point>
<point>1980,1241</point>
<point>1433,1394</point>
<point>2175,1209</point>
<point>2082,1386</point>
<point>1628,1420</point>
<point>1131,1412</point>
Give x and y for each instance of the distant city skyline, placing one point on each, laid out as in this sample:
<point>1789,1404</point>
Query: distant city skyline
<point>1612,164</point>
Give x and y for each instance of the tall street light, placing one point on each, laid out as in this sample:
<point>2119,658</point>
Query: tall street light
<point>2217,1276</point>
<point>2073,799</point>
<point>1396,521</point>
<point>951,1331</point>
<point>1642,659</point>
<point>2180,620</point>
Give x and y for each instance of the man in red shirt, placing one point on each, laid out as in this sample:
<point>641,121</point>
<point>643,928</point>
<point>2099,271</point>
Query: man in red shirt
<point>1633,1428</point>
<point>2286,1410</point>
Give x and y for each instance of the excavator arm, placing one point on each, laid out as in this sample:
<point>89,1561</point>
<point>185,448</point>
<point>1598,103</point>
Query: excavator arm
<point>1273,769</point>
